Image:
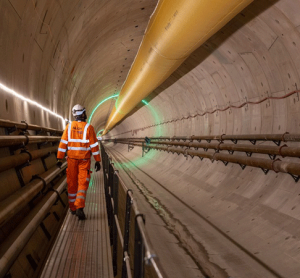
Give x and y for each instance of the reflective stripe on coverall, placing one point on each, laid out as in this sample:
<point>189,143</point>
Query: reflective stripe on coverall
<point>78,178</point>
<point>80,139</point>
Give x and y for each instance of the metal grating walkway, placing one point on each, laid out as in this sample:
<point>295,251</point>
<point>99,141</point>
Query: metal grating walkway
<point>82,248</point>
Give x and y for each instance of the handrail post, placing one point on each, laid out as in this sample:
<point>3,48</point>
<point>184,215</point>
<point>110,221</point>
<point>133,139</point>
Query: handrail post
<point>109,202</point>
<point>126,232</point>
<point>114,197</point>
<point>139,250</point>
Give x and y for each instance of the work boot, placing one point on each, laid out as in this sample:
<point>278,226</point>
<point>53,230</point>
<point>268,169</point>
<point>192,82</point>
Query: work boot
<point>80,214</point>
<point>73,212</point>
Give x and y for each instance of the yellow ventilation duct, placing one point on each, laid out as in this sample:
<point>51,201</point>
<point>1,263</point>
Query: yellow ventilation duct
<point>175,30</point>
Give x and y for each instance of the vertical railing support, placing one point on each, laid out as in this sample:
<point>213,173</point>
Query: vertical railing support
<point>126,232</point>
<point>109,202</point>
<point>114,196</point>
<point>139,250</point>
<point>142,250</point>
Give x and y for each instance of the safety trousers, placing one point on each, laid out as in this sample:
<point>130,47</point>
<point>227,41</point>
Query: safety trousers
<point>78,178</point>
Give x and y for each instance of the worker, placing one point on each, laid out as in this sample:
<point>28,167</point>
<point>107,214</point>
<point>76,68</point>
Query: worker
<point>80,139</point>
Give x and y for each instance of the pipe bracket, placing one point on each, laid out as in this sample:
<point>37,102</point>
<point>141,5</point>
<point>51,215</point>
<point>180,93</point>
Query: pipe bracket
<point>36,177</point>
<point>282,138</point>
<point>58,198</point>
<point>30,156</point>
<point>24,122</point>
<point>280,150</point>
<point>273,164</point>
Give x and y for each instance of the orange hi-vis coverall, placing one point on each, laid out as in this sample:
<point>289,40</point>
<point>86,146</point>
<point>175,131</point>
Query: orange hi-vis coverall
<point>80,139</point>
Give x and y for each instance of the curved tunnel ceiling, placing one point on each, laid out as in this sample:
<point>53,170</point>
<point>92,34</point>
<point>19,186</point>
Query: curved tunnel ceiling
<point>65,52</point>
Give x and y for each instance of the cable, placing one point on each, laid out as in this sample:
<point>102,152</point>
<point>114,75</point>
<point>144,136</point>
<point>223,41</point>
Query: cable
<point>216,110</point>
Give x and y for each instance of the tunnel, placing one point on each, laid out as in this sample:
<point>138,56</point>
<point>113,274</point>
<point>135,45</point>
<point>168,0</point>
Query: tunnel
<point>195,105</point>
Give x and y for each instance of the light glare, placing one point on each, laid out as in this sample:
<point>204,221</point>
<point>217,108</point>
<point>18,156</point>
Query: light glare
<point>8,90</point>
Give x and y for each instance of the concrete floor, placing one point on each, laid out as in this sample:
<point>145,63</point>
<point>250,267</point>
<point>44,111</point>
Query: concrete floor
<point>241,223</point>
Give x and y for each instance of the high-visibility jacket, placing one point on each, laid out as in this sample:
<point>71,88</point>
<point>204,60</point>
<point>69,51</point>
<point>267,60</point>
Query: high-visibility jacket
<point>80,140</point>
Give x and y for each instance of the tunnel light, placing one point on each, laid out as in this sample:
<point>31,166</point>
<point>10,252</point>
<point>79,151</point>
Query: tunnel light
<point>14,93</point>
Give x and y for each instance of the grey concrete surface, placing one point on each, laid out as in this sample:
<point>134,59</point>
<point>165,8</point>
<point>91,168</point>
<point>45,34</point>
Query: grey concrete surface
<point>64,52</point>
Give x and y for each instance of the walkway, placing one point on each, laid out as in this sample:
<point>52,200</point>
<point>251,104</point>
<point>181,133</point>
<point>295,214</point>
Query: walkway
<point>82,248</point>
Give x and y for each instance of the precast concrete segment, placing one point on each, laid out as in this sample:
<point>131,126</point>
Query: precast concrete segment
<point>174,259</point>
<point>82,248</point>
<point>175,30</point>
<point>194,231</point>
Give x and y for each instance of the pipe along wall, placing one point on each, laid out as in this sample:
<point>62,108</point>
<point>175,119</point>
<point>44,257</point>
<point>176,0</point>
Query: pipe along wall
<point>34,202</point>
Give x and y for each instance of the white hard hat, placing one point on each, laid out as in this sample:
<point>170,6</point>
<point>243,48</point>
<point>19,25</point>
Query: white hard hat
<point>77,110</point>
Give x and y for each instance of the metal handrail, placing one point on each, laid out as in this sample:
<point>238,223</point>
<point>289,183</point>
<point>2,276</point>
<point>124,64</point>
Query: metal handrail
<point>149,255</point>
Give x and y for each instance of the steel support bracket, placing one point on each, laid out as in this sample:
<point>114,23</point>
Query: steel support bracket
<point>295,177</point>
<point>272,156</point>
<point>242,166</point>
<point>277,142</point>
<point>37,132</point>
<point>266,171</point>
<point>10,129</point>
<point>253,142</point>
<point>225,162</point>
<point>130,147</point>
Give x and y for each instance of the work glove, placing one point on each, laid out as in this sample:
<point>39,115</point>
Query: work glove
<point>97,166</point>
<point>59,163</point>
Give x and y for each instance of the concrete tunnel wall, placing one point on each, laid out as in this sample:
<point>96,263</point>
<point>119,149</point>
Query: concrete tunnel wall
<point>255,56</point>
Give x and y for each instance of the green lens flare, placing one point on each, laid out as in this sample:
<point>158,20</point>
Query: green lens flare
<point>101,102</point>
<point>154,114</point>
<point>99,132</point>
